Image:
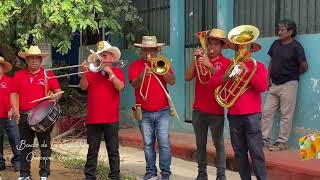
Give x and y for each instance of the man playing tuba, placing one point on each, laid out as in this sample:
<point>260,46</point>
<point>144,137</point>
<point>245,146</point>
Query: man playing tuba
<point>244,107</point>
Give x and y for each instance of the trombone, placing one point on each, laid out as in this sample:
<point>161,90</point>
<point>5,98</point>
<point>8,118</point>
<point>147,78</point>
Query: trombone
<point>94,64</point>
<point>202,71</point>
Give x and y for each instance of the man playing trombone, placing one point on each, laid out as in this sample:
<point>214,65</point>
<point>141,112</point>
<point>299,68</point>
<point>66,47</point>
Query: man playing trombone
<point>30,85</point>
<point>206,111</point>
<point>103,109</point>
<point>150,92</point>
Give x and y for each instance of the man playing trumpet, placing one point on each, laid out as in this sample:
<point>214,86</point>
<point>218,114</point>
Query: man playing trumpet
<point>103,109</point>
<point>150,94</point>
<point>206,111</point>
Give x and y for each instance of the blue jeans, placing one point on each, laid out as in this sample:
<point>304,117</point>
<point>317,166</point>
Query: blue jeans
<point>155,126</point>
<point>12,130</point>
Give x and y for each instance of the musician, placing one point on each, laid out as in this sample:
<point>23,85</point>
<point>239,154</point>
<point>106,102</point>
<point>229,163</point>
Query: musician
<point>288,61</point>
<point>155,108</point>
<point>245,119</point>
<point>30,85</point>
<point>5,114</point>
<point>206,111</point>
<point>103,110</point>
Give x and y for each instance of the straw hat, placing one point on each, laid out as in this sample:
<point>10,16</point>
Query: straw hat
<point>105,46</point>
<point>149,42</point>
<point>6,66</point>
<point>33,51</point>
<point>219,34</point>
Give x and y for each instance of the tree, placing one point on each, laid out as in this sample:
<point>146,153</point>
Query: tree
<point>54,22</point>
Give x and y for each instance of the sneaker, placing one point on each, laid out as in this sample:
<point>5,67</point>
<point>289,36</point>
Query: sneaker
<point>25,178</point>
<point>165,177</point>
<point>202,177</point>
<point>266,143</point>
<point>278,146</point>
<point>150,177</point>
<point>43,178</point>
<point>222,177</point>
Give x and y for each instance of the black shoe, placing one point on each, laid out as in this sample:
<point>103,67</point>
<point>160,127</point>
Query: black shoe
<point>2,167</point>
<point>221,177</point>
<point>202,177</point>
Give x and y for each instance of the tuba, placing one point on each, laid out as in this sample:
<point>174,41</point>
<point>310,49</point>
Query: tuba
<point>202,71</point>
<point>228,93</point>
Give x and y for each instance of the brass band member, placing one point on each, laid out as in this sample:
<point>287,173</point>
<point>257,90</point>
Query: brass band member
<point>150,94</point>
<point>103,110</point>
<point>244,114</point>
<point>207,113</point>
<point>30,85</point>
<point>5,117</point>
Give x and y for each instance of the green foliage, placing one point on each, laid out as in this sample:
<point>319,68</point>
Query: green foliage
<point>54,21</point>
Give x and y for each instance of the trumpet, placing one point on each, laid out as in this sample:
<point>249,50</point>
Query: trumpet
<point>202,71</point>
<point>94,63</point>
<point>160,65</point>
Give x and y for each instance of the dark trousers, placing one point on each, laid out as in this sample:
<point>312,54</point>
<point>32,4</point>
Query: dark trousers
<point>110,133</point>
<point>14,139</point>
<point>201,123</point>
<point>2,126</point>
<point>245,133</point>
<point>26,146</point>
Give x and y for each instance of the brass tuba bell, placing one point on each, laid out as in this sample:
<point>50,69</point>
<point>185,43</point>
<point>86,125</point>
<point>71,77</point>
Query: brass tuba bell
<point>228,93</point>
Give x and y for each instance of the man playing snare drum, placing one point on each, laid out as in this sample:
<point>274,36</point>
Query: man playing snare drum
<point>29,85</point>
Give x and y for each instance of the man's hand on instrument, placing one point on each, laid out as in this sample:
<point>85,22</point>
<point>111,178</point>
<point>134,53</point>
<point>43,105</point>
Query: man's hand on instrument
<point>198,52</point>
<point>108,70</point>
<point>243,66</point>
<point>84,66</point>
<point>205,61</point>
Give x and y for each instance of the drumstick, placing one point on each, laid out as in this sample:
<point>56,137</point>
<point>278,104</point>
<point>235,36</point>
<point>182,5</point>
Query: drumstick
<point>46,97</point>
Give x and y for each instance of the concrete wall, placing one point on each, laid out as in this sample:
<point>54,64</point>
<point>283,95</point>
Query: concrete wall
<point>306,119</point>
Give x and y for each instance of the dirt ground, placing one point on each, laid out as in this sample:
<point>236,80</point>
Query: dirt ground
<point>58,170</point>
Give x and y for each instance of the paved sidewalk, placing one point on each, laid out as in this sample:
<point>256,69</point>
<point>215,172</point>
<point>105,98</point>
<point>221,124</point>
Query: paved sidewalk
<point>133,164</point>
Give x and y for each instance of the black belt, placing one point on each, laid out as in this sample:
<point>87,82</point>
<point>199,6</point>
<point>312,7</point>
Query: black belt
<point>25,112</point>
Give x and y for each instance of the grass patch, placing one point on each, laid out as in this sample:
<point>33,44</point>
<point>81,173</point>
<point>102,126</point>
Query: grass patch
<point>102,170</point>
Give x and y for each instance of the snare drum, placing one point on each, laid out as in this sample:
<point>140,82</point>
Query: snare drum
<point>43,116</point>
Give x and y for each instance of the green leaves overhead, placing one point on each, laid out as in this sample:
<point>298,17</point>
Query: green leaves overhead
<point>54,21</point>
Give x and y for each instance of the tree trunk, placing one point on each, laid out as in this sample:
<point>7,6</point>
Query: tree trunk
<point>8,53</point>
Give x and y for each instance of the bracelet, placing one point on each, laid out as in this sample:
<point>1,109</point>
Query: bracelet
<point>111,77</point>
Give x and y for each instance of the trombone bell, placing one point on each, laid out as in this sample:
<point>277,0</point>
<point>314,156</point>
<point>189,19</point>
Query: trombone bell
<point>160,65</point>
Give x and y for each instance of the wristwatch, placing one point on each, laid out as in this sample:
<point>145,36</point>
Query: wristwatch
<point>111,77</point>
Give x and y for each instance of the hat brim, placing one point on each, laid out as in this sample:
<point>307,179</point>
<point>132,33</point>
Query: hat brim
<point>114,50</point>
<point>225,40</point>
<point>7,67</point>
<point>254,46</point>
<point>149,46</point>
<point>24,55</point>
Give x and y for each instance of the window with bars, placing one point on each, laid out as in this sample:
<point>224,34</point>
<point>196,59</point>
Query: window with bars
<point>156,17</point>
<point>266,13</point>
<point>200,15</point>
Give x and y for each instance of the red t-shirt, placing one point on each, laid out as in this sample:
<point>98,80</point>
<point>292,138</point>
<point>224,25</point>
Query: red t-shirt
<point>204,94</point>
<point>103,98</point>
<point>250,101</point>
<point>5,90</point>
<point>156,97</point>
<point>31,87</point>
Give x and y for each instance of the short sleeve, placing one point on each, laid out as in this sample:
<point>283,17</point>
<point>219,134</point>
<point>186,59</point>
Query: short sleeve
<point>133,72</point>
<point>15,83</point>
<point>120,75</point>
<point>270,52</point>
<point>301,57</point>
<point>53,83</point>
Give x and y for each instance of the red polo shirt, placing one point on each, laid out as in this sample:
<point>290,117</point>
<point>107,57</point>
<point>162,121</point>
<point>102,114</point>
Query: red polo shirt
<point>5,90</point>
<point>250,101</point>
<point>204,95</point>
<point>156,97</point>
<point>103,98</point>
<point>30,87</point>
